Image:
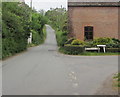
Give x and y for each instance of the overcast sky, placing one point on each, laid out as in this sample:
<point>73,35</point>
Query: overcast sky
<point>47,4</point>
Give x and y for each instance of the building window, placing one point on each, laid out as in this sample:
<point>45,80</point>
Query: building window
<point>88,32</point>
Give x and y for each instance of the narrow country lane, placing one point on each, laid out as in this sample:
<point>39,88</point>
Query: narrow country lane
<point>43,71</point>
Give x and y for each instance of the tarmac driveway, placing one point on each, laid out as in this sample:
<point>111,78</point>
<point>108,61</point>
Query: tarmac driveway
<point>43,71</point>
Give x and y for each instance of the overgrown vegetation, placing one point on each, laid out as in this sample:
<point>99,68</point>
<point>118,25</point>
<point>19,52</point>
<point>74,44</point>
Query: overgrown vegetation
<point>58,20</point>
<point>37,28</point>
<point>17,26</point>
<point>117,78</point>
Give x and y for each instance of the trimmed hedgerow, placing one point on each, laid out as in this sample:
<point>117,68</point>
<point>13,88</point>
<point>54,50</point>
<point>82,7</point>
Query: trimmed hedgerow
<point>72,49</point>
<point>74,46</point>
<point>112,50</point>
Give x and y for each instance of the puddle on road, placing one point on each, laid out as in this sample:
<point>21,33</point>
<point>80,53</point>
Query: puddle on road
<point>51,50</point>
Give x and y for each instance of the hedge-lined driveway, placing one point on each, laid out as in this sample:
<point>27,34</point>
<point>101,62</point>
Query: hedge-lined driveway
<point>43,71</point>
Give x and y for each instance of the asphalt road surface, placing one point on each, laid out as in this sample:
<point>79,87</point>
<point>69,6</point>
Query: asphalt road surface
<point>42,70</point>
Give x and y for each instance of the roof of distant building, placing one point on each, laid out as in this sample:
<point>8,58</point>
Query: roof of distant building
<point>93,0</point>
<point>93,3</point>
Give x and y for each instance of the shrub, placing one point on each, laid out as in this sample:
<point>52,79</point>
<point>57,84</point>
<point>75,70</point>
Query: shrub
<point>61,38</point>
<point>117,77</point>
<point>57,18</point>
<point>17,27</point>
<point>72,49</point>
<point>89,44</point>
<point>15,30</point>
<point>116,40</point>
<point>115,44</point>
<point>77,42</point>
<point>69,41</point>
<point>103,41</point>
<point>36,38</point>
<point>109,42</point>
<point>112,50</point>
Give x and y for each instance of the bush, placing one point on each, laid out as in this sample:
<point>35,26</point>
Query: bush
<point>109,42</point>
<point>89,44</point>
<point>115,44</point>
<point>116,40</point>
<point>112,50</point>
<point>17,27</point>
<point>103,41</point>
<point>61,38</point>
<point>77,42</point>
<point>69,41</point>
<point>38,38</point>
<point>117,77</point>
<point>72,49</point>
<point>15,30</point>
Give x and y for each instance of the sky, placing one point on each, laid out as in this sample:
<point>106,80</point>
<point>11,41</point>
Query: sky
<point>47,4</point>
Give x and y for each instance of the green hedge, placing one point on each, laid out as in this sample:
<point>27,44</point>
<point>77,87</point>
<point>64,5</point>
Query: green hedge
<point>15,29</point>
<point>109,42</point>
<point>38,38</point>
<point>112,49</point>
<point>72,49</point>
<point>61,38</point>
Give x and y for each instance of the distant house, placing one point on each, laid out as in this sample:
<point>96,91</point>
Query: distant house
<point>90,19</point>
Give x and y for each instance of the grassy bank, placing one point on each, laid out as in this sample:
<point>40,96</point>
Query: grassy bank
<point>116,82</point>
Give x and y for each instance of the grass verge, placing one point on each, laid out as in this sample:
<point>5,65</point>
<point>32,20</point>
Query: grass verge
<point>62,50</point>
<point>117,80</point>
<point>98,54</point>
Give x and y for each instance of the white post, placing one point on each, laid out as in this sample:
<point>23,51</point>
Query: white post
<point>30,37</point>
<point>104,49</point>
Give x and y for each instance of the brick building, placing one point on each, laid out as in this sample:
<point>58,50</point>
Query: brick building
<point>90,19</point>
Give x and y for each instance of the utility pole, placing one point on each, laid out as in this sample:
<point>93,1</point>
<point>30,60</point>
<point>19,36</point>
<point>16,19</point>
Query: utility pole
<point>31,4</point>
<point>31,11</point>
<point>30,37</point>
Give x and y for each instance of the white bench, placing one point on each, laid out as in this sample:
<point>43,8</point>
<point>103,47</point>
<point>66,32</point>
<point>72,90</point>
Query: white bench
<point>93,49</point>
<point>103,46</point>
<point>96,48</point>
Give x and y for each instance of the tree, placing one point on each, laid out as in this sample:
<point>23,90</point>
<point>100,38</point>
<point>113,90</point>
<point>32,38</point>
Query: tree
<point>58,18</point>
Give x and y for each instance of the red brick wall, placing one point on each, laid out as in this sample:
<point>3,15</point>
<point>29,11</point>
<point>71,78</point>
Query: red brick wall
<point>103,19</point>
